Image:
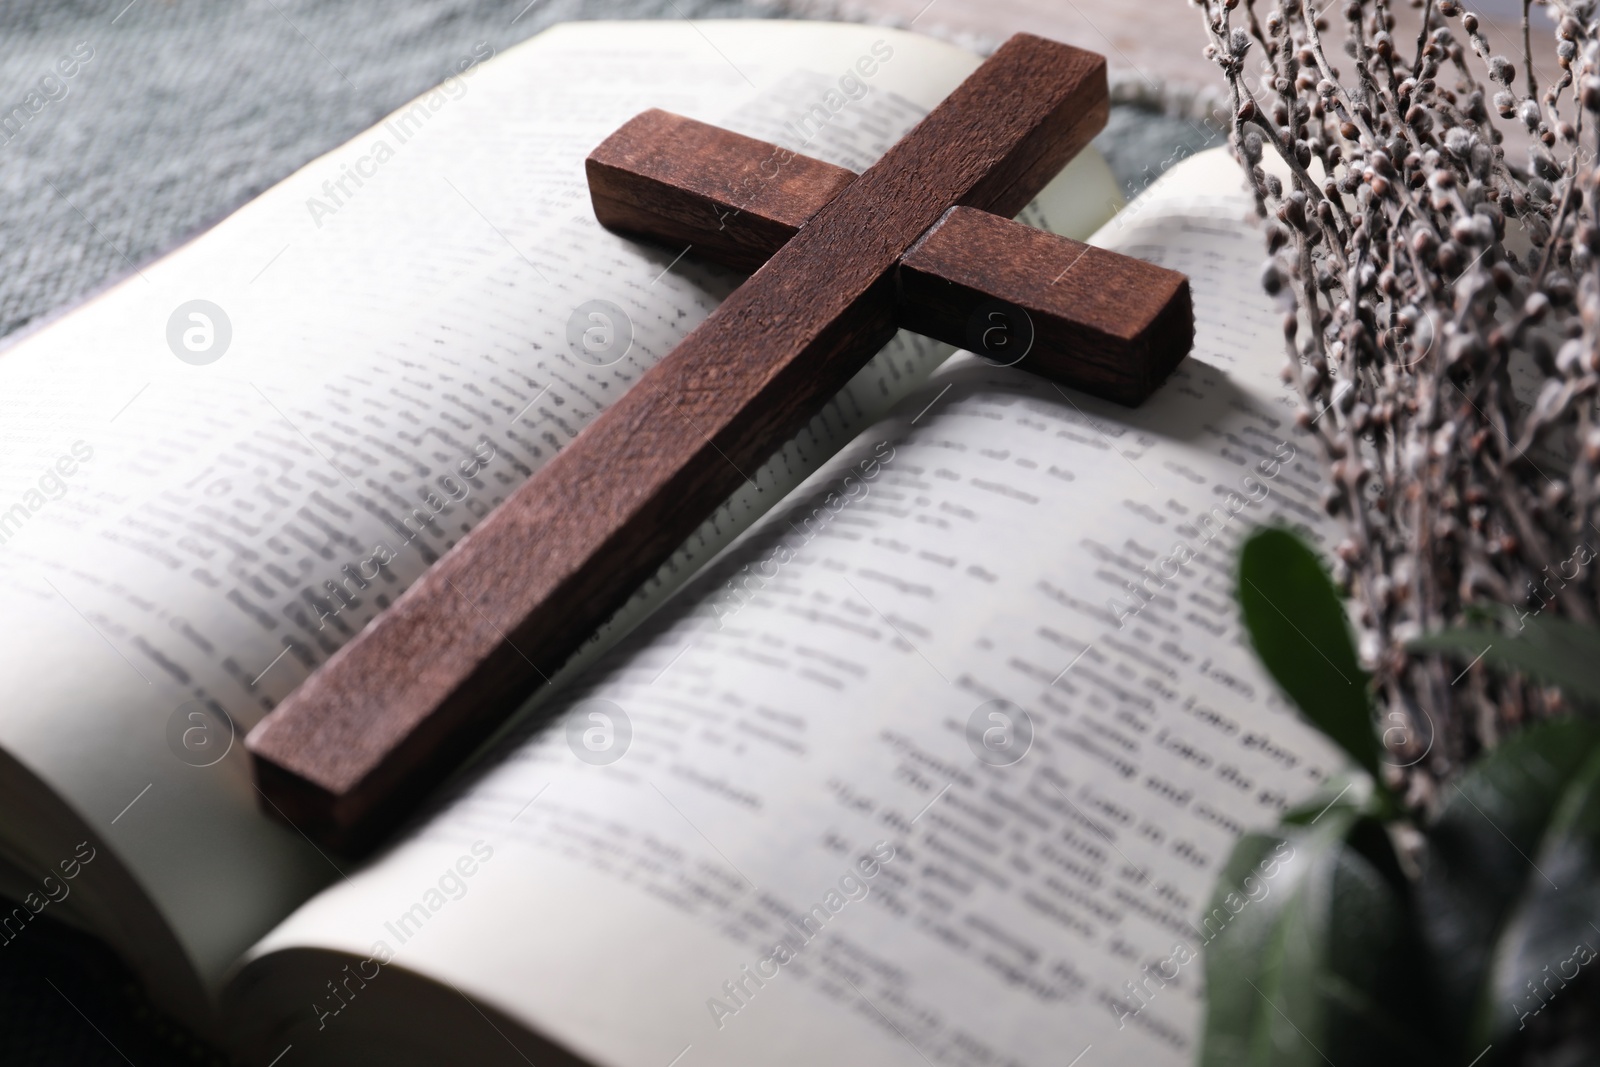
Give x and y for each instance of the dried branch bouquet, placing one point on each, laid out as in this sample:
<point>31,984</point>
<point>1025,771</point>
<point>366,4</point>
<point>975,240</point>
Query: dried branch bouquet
<point>1442,317</point>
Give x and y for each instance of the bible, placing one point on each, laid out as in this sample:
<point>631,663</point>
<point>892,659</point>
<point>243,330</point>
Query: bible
<point>926,747</point>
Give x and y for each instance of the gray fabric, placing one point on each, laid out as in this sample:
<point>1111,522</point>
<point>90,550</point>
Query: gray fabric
<point>189,108</point>
<point>186,110</point>
<point>1139,145</point>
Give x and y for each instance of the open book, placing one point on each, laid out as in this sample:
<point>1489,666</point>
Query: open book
<point>927,748</point>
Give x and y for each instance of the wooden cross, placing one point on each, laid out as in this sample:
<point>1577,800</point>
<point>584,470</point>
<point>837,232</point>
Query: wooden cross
<point>922,239</point>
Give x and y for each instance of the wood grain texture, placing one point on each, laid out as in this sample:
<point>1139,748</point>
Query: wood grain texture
<point>1105,323</point>
<point>396,708</point>
<point>733,199</point>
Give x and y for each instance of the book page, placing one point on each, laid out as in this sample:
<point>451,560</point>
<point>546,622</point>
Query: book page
<point>937,764</point>
<point>222,468</point>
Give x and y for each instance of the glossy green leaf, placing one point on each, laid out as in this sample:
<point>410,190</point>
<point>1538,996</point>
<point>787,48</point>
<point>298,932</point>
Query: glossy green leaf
<point>1312,963</point>
<point>1510,877</point>
<point>1298,627</point>
<point>1555,651</point>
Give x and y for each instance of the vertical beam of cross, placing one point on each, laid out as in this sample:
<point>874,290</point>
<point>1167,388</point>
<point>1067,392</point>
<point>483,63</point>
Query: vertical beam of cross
<point>395,709</point>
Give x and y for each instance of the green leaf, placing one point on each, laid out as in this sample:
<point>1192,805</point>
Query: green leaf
<point>1510,876</point>
<point>1558,652</point>
<point>1298,627</point>
<point>1555,930</point>
<point>1350,794</point>
<point>1312,964</point>
<point>1243,955</point>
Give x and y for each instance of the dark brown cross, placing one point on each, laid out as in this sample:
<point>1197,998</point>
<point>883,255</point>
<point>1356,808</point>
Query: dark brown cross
<point>922,239</point>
